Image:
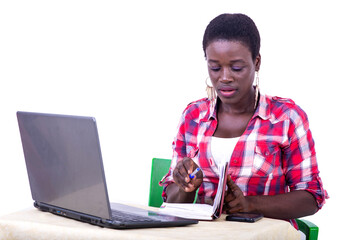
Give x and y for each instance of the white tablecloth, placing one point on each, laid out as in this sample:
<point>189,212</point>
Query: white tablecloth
<point>34,224</point>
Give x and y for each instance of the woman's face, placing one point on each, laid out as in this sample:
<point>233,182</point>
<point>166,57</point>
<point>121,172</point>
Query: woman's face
<point>231,70</point>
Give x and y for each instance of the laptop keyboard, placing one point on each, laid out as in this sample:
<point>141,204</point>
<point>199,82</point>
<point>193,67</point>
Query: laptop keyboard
<point>127,217</point>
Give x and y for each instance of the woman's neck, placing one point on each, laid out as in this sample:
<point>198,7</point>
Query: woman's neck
<point>244,106</point>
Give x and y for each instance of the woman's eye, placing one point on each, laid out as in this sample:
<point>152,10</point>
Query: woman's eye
<point>237,69</point>
<point>215,69</point>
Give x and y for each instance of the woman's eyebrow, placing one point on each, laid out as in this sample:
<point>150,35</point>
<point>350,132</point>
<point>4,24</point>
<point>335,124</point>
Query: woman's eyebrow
<point>232,61</point>
<point>238,61</point>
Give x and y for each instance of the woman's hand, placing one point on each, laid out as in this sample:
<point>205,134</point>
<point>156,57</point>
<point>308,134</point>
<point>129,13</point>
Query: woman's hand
<point>184,188</point>
<point>234,200</point>
<point>181,175</point>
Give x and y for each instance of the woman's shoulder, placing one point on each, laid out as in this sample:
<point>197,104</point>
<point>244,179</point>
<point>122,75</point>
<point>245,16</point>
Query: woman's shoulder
<point>197,108</point>
<point>280,106</point>
<point>281,103</point>
<point>199,103</point>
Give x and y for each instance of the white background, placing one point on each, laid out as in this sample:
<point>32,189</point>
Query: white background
<point>135,65</point>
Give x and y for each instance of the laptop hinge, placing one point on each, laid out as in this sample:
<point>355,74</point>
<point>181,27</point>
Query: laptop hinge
<point>69,213</point>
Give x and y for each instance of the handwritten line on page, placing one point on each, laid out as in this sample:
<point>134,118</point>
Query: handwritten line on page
<point>197,210</point>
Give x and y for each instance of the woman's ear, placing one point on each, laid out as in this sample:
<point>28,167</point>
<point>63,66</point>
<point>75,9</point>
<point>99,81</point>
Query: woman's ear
<point>257,62</point>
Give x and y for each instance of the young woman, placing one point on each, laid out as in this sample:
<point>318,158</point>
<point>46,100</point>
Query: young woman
<point>266,140</point>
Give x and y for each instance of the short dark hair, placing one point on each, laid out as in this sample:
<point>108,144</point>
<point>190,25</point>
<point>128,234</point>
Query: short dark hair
<point>233,27</point>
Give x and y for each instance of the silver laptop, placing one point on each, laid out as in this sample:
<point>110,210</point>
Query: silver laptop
<point>66,173</point>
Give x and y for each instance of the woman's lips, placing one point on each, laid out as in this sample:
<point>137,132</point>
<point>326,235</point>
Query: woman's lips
<point>227,92</point>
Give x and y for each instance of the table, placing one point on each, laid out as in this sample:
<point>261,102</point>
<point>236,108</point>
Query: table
<point>34,224</point>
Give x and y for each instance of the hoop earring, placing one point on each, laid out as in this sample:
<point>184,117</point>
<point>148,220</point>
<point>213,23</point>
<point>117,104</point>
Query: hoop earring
<point>256,88</point>
<point>210,90</point>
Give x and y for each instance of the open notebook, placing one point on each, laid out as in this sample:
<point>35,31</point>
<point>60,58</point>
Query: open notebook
<point>197,210</point>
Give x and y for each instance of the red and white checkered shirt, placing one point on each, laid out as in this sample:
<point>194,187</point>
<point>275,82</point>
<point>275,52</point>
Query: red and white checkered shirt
<point>274,155</point>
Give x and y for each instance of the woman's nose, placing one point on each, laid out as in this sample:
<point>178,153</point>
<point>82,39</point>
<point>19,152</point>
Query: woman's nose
<point>225,75</point>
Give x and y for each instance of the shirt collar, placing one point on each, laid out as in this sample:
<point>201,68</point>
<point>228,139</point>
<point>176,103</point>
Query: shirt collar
<point>212,108</point>
<point>262,110</point>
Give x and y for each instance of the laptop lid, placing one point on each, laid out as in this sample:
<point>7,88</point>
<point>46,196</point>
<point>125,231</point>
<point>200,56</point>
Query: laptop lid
<point>56,149</point>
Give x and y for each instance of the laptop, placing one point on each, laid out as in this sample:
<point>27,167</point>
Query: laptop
<point>66,173</point>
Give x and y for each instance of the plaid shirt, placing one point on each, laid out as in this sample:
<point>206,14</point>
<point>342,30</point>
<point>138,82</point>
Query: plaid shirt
<point>274,155</point>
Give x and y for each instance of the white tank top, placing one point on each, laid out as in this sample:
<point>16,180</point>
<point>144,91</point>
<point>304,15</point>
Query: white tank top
<point>222,149</point>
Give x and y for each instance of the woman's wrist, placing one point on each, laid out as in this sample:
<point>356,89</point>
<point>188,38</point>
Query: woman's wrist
<point>175,194</point>
<point>251,204</point>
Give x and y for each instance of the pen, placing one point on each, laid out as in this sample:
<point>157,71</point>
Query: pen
<point>192,175</point>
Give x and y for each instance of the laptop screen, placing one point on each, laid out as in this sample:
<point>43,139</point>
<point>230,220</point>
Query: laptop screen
<point>64,163</point>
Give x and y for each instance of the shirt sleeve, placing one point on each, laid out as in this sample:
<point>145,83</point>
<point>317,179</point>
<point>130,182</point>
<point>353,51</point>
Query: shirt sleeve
<point>299,160</point>
<point>179,152</point>
<point>185,141</point>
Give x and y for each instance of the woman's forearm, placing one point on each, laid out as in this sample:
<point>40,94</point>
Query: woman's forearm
<point>284,206</point>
